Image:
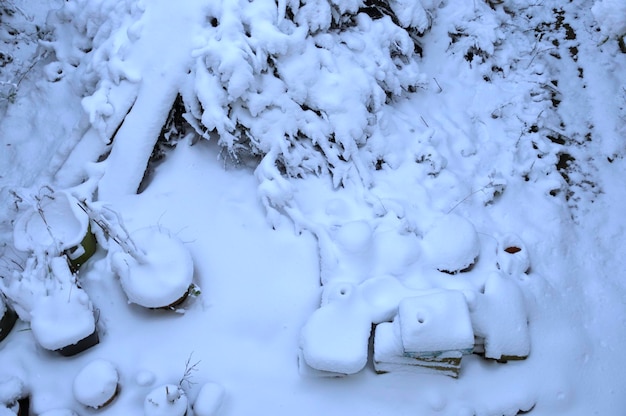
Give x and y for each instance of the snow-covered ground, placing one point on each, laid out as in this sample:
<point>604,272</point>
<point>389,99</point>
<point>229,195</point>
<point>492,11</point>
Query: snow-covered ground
<point>486,201</point>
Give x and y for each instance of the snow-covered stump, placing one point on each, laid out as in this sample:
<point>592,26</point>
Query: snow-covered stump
<point>8,317</point>
<point>500,320</point>
<point>56,225</point>
<point>159,273</point>
<point>430,334</point>
<point>167,400</point>
<point>451,245</point>
<point>97,384</point>
<point>63,319</point>
<point>512,256</point>
<point>335,339</point>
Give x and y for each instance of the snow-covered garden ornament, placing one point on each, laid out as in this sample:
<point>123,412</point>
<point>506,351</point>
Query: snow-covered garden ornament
<point>167,400</point>
<point>97,384</point>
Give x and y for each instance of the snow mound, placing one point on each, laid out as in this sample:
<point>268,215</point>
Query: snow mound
<point>209,400</point>
<point>11,390</point>
<point>96,383</point>
<point>163,274</point>
<point>452,244</point>
<point>611,15</point>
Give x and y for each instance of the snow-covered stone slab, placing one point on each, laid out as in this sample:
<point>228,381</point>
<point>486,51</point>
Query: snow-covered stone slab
<point>389,355</point>
<point>499,317</point>
<point>335,338</point>
<point>435,323</point>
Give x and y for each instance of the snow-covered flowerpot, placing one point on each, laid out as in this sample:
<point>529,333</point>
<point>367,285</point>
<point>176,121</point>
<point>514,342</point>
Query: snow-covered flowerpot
<point>159,273</point>
<point>167,400</point>
<point>512,256</point>
<point>97,384</point>
<point>63,320</point>
<point>8,317</point>
<point>56,224</point>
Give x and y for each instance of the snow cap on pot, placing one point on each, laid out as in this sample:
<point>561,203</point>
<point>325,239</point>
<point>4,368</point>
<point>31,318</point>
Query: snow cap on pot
<point>97,384</point>
<point>156,270</point>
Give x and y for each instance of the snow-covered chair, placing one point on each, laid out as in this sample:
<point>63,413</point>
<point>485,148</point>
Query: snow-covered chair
<point>500,320</point>
<point>430,334</point>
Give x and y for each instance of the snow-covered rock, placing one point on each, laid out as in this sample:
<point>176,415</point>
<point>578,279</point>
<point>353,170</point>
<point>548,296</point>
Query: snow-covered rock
<point>499,317</point>
<point>167,400</point>
<point>209,400</point>
<point>161,274</point>
<point>96,384</point>
<point>451,245</point>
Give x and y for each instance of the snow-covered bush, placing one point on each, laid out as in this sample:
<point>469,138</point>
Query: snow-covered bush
<point>299,84</point>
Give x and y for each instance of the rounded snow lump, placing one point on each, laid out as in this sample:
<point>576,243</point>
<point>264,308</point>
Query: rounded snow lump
<point>452,244</point>
<point>96,384</point>
<point>209,400</point>
<point>167,400</point>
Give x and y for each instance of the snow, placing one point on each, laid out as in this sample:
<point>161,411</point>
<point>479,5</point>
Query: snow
<point>499,316</point>
<point>209,400</point>
<point>340,174</point>
<point>96,383</point>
